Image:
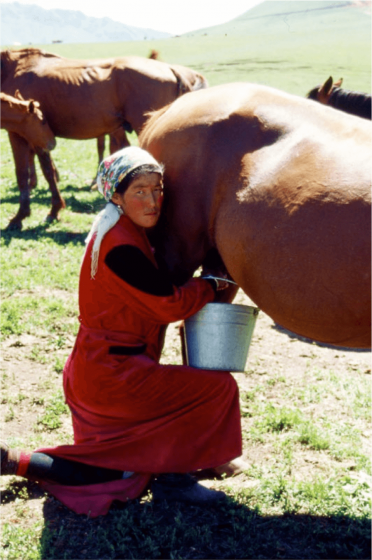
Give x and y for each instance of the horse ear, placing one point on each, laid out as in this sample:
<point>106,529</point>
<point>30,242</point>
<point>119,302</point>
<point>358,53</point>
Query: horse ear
<point>327,86</point>
<point>325,91</point>
<point>18,95</point>
<point>32,105</point>
<point>338,83</point>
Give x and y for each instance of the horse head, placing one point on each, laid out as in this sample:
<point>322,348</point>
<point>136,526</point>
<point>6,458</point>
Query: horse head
<point>322,93</point>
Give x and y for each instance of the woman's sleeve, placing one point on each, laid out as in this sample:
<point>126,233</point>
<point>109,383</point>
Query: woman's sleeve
<point>149,291</point>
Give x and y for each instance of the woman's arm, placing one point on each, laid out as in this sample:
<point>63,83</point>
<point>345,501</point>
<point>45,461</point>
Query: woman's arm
<point>149,290</point>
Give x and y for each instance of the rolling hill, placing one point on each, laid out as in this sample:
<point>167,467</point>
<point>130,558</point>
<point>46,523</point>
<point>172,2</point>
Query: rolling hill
<point>292,17</point>
<point>29,24</point>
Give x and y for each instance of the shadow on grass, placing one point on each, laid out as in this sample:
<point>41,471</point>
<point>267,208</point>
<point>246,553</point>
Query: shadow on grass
<point>233,529</point>
<point>19,488</point>
<point>43,198</point>
<point>291,334</point>
<point>41,232</point>
<point>144,529</point>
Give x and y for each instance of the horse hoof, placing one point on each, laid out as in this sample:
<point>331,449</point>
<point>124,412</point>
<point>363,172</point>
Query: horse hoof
<point>50,219</point>
<point>14,226</point>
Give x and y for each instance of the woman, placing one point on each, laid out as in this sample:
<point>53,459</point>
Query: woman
<point>135,421</point>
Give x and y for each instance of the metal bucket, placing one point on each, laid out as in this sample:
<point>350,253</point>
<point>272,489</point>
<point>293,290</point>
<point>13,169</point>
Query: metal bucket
<point>219,335</point>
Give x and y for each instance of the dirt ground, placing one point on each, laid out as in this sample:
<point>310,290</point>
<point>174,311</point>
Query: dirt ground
<point>279,364</point>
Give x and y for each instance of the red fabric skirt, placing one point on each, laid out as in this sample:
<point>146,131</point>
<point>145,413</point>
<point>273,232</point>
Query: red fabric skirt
<point>147,418</point>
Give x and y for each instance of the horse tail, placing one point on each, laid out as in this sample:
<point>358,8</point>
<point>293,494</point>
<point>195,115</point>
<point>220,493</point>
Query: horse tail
<point>184,83</point>
<point>200,82</point>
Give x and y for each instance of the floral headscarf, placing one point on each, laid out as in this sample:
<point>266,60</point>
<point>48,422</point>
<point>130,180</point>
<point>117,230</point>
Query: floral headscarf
<point>111,172</point>
<point>115,167</point>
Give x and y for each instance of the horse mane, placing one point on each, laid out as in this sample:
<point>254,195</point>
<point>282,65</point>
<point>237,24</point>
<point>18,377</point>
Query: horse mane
<point>353,102</point>
<point>11,54</point>
<point>7,57</point>
<point>13,102</point>
<point>4,98</point>
<point>25,58</point>
<point>154,115</point>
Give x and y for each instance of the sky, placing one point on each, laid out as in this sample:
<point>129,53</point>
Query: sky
<point>172,16</point>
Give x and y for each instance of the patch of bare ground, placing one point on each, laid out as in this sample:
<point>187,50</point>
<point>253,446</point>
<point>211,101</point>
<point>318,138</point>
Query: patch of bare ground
<point>43,291</point>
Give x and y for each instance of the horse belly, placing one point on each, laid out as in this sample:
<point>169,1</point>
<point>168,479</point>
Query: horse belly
<point>74,106</point>
<point>307,266</point>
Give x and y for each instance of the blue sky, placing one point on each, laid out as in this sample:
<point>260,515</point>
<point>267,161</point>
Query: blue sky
<point>172,16</point>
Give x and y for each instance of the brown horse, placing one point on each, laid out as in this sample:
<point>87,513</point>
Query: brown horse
<point>353,102</point>
<point>118,139</point>
<point>25,119</point>
<point>280,187</point>
<point>29,133</point>
<point>87,98</point>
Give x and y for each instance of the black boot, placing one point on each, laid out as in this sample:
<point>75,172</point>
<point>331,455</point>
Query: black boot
<point>177,487</point>
<point>9,459</point>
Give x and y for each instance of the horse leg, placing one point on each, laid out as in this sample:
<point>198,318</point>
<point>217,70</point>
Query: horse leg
<point>50,173</point>
<point>33,177</point>
<point>118,140</point>
<point>100,147</point>
<point>21,154</point>
<point>32,170</point>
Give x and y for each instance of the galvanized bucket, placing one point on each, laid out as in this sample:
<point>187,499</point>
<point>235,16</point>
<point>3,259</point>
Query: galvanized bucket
<point>219,335</point>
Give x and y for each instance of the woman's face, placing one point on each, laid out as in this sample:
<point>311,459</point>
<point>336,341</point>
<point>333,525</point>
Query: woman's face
<point>142,200</point>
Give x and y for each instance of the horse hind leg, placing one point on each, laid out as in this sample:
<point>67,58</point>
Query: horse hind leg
<point>118,140</point>
<point>51,175</point>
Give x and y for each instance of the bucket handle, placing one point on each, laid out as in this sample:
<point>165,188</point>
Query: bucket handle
<point>217,278</point>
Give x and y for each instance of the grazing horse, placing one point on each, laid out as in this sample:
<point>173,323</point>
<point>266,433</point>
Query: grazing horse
<point>280,188</point>
<point>25,119</point>
<point>118,139</point>
<point>29,133</point>
<point>353,102</point>
<point>87,98</point>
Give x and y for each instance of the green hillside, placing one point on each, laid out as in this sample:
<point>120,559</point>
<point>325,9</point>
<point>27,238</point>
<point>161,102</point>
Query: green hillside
<point>296,17</point>
<point>289,7</point>
<point>292,45</point>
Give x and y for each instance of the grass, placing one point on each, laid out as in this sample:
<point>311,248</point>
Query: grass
<point>50,419</point>
<point>305,409</point>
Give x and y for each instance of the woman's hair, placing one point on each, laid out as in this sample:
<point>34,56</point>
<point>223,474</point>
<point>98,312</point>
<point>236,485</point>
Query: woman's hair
<point>137,172</point>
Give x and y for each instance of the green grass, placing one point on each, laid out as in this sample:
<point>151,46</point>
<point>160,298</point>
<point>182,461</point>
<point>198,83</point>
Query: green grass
<point>51,417</point>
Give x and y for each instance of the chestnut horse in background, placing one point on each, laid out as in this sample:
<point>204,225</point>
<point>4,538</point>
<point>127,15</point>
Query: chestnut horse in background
<point>280,188</point>
<point>353,102</point>
<point>118,139</point>
<point>87,98</point>
<point>29,133</point>
<point>25,119</point>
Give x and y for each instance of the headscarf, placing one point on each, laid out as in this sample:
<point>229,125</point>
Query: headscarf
<point>111,172</point>
<point>115,167</point>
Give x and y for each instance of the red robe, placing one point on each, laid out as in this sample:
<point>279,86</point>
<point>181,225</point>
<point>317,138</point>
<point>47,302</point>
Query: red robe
<point>129,412</point>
